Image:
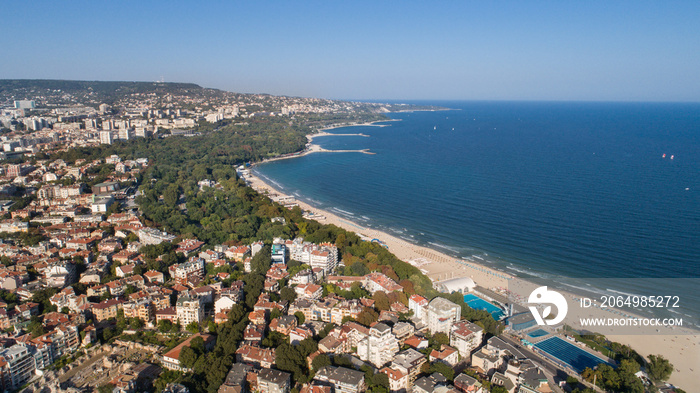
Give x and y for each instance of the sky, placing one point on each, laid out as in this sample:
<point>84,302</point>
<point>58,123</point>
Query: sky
<point>407,50</point>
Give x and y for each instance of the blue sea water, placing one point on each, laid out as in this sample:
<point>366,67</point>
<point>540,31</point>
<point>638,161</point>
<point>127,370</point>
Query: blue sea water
<point>533,188</point>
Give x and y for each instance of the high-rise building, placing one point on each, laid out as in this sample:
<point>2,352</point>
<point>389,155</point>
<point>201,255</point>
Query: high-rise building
<point>442,314</point>
<point>106,137</point>
<point>379,347</point>
<point>189,309</point>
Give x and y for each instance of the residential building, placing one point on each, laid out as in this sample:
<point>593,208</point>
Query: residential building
<point>398,380</point>
<point>284,324</point>
<point>467,384</point>
<point>106,309</point>
<point>376,281</point>
<point>273,381</point>
<point>343,380</point>
<point>466,337</point>
<point>379,347</point>
<point>419,305</point>
<point>409,362</point>
<point>259,357</point>
<point>194,268</point>
<point>430,384</point>
<point>189,309</point>
<point>442,314</point>
<point>16,367</point>
<point>446,354</point>
<point>235,381</point>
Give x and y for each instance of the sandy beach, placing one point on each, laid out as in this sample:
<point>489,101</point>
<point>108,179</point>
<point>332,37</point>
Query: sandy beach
<point>683,350</point>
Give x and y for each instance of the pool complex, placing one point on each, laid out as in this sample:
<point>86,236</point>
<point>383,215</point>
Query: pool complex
<point>569,353</point>
<point>478,303</point>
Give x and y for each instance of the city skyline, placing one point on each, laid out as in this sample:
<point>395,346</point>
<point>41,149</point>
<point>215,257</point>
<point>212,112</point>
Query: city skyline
<point>640,51</point>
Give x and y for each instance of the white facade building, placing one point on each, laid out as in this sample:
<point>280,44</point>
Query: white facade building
<point>442,314</point>
<point>189,309</point>
<point>379,347</point>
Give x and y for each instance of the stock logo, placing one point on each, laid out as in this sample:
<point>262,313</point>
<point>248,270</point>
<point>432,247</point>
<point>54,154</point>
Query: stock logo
<point>543,296</point>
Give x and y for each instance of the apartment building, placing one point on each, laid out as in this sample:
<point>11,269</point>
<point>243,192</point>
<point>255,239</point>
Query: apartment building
<point>442,314</point>
<point>379,347</point>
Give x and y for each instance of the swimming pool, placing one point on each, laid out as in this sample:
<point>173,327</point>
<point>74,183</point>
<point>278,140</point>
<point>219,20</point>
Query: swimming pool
<point>478,303</point>
<point>538,333</point>
<point>569,353</point>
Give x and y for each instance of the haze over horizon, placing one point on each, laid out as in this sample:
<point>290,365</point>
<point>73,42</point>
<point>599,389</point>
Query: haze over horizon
<point>597,51</point>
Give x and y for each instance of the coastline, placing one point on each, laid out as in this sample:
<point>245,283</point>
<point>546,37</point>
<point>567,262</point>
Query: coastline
<point>311,147</point>
<point>679,349</point>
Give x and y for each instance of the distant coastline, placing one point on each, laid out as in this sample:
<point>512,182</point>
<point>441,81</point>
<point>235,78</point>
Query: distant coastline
<point>438,265</point>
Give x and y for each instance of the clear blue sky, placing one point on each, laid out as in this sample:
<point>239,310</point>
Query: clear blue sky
<point>483,50</point>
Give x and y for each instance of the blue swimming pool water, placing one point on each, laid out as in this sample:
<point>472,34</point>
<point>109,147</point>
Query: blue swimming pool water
<point>538,333</point>
<point>478,303</point>
<point>569,353</point>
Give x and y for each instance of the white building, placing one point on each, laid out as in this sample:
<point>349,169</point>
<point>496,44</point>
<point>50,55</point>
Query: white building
<point>379,347</point>
<point>442,314</point>
<point>419,305</point>
<point>106,137</point>
<point>19,366</point>
<point>223,303</point>
<point>189,309</point>
<point>459,285</point>
<point>466,337</point>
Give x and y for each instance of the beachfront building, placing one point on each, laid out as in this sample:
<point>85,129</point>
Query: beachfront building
<point>459,285</point>
<point>379,347</point>
<point>442,314</point>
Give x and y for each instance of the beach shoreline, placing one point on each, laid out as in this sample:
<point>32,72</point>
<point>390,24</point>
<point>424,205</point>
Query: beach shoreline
<point>683,350</point>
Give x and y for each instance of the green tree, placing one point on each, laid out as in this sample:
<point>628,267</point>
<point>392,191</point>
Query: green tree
<point>659,368</point>
<point>262,260</point>
<point>442,368</point>
<point>192,327</point>
<point>164,326</point>
<point>439,339</point>
<point>498,389</point>
<point>367,316</point>
<point>288,294</point>
<point>188,357</point>
<point>288,358</point>
<point>381,301</point>
<point>300,317</point>
<point>320,361</point>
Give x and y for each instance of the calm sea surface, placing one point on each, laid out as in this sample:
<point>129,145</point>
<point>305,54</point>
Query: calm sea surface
<point>534,189</point>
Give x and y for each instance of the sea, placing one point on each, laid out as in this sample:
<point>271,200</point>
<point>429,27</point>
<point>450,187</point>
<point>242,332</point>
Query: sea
<point>606,195</point>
